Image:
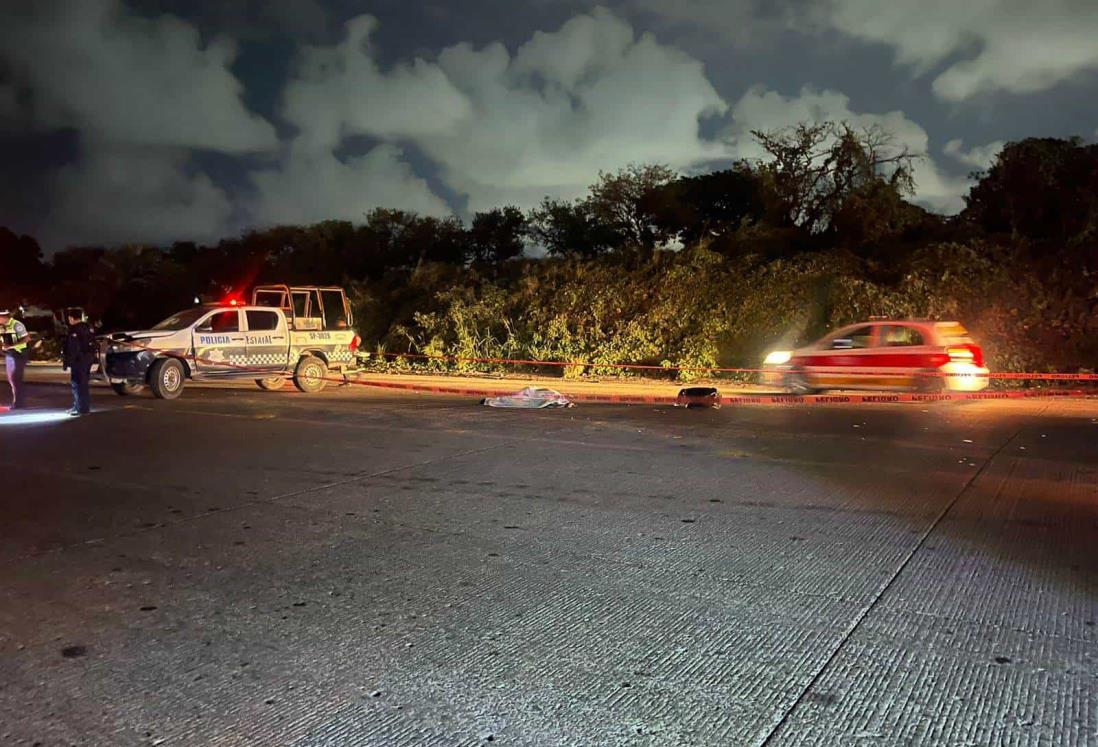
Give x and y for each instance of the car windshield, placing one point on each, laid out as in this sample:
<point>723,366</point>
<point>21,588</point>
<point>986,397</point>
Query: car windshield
<point>182,320</point>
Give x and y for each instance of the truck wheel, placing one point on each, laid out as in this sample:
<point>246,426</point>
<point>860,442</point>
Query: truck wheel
<point>166,378</point>
<point>125,388</point>
<point>272,384</point>
<point>310,374</point>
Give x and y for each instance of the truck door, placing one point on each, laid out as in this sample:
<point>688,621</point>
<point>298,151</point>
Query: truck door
<point>219,346</point>
<point>267,340</point>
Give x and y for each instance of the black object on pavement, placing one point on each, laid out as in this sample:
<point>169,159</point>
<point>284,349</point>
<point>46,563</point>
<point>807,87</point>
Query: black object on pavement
<point>699,396</point>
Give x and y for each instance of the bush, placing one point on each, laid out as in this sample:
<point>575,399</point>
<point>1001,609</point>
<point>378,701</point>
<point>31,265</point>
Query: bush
<point>701,308</point>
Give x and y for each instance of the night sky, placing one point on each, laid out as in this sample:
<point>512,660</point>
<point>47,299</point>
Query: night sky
<point>162,120</point>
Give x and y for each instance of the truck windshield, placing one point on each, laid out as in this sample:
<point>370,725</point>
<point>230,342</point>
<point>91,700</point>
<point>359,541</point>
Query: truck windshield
<point>182,320</point>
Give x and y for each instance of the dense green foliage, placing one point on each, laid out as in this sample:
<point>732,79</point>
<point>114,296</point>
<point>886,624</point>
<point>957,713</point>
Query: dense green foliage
<point>657,269</point>
<point>699,308</point>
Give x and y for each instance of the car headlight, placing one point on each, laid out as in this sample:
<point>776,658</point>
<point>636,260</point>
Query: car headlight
<point>777,358</point>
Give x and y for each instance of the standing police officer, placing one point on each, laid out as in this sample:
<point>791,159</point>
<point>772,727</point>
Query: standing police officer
<point>13,341</point>
<point>79,354</point>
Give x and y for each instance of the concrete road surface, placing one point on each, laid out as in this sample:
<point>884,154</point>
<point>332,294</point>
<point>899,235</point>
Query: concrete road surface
<point>359,568</point>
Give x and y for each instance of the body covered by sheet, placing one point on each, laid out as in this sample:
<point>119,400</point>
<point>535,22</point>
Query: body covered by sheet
<point>530,398</point>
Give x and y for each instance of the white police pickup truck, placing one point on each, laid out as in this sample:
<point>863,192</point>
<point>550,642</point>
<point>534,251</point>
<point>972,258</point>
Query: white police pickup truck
<point>296,333</point>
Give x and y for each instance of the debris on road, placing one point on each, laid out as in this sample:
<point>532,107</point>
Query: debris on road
<point>530,398</point>
<point>699,396</point>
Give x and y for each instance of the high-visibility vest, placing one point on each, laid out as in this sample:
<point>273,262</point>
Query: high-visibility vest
<point>15,328</point>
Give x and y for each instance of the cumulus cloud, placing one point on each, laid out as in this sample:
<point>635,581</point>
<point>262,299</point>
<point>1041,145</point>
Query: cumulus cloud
<point>512,128</point>
<point>1016,46</point>
<point>979,157</point>
<point>312,184</point>
<point>339,91</point>
<point>499,125</point>
<point>124,193</point>
<point>761,109</point>
<point>746,24</point>
<point>142,93</point>
<point>92,65</point>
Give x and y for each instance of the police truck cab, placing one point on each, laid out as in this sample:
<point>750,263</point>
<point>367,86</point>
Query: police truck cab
<point>297,333</point>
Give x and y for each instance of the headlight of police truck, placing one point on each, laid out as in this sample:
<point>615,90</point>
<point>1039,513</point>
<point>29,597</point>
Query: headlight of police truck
<point>777,358</point>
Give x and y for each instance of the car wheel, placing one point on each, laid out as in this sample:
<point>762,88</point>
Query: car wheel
<point>311,373</point>
<point>125,388</point>
<point>167,378</point>
<point>272,384</point>
<point>797,383</point>
<point>930,381</point>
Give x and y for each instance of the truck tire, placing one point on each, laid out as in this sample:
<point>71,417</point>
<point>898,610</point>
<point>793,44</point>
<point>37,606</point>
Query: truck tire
<point>311,373</point>
<point>166,378</point>
<point>125,388</point>
<point>272,384</point>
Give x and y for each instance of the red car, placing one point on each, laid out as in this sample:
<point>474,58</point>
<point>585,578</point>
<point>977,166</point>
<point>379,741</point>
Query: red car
<point>893,354</point>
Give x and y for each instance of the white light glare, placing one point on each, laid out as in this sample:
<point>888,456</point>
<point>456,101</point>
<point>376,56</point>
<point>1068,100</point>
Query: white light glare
<point>777,358</point>
<point>31,418</point>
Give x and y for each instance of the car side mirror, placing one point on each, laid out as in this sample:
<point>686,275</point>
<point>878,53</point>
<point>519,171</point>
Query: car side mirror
<point>204,328</point>
<point>842,343</point>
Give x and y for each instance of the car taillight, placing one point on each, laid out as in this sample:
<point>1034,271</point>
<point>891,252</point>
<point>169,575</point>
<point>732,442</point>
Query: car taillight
<point>966,354</point>
<point>355,343</point>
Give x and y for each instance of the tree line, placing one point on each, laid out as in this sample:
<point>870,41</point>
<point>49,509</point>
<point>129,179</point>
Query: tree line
<point>827,194</point>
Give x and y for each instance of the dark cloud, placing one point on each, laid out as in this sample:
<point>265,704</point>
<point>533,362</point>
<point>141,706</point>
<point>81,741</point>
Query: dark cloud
<point>94,66</point>
<point>151,120</point>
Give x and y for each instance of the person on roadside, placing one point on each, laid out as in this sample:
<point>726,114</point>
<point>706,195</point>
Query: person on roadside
<point>79,355</point>
<point>13,341</point>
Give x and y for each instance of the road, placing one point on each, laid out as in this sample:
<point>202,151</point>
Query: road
<point>364,568</point>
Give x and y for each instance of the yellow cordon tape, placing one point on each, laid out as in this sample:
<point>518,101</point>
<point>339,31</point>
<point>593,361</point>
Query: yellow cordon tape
<point>747,399</point>
<point>641,399</point>
<point>1007,375</point>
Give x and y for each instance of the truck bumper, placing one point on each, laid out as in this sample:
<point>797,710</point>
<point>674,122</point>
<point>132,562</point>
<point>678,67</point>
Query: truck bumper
<point>129,366</point>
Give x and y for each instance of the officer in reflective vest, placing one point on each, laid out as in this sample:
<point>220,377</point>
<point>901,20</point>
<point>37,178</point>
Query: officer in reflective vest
<point>13,341</point>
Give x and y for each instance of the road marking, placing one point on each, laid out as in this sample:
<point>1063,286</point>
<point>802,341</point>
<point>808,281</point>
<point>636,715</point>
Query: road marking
<point>783,717</point>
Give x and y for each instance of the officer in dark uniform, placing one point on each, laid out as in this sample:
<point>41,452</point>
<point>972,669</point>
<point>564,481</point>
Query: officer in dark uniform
<point>79,355</point>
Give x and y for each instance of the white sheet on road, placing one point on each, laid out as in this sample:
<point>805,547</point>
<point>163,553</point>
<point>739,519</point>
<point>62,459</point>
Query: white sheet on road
<point>530,398</point>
